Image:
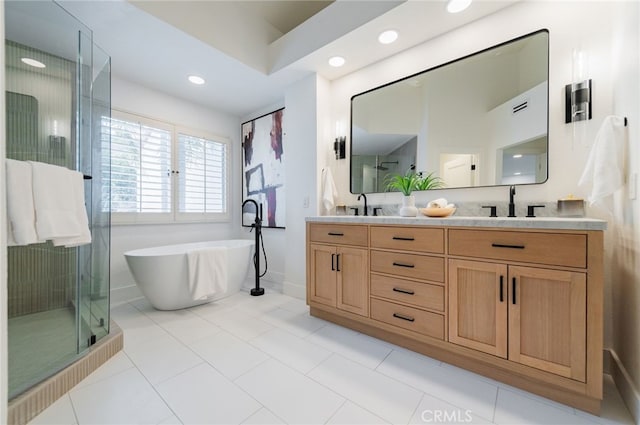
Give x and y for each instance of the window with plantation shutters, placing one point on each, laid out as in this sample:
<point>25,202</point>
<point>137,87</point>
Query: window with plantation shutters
<point>202,169</point>
<point>159,174</point>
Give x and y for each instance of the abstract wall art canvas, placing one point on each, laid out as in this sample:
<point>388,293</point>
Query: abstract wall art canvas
<point>263,169</point>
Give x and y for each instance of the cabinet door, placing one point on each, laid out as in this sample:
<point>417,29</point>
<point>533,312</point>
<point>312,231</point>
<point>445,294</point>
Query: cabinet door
<point>353,278</point>
<point>478,306</point>
<point>547,320</point>
<point>323,274</point>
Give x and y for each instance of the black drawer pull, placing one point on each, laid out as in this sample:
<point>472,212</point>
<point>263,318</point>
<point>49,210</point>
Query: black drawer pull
<point>410,266</point>
<point>335,234</point>
<point>403,317</point>
<point>404,291</point>
<point>500,245</point>
<point>402,238</point>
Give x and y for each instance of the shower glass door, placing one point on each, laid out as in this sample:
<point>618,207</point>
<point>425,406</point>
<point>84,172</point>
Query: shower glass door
<point>57,297</point>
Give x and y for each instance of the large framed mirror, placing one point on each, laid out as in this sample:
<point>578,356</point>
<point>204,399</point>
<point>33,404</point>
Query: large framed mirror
<point>481,120</point>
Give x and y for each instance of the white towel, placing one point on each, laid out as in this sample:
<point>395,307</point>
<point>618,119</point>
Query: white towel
<point>55,202</point>
<point>80,211</point>
<point>604,171</point>
<point>329,191</point>
<point>438,203</point>
<point>207,272</point>
<point>20,210</point>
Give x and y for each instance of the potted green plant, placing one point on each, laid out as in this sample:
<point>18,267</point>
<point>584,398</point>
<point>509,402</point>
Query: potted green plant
<point>406,184</point>
<point>429,181</point>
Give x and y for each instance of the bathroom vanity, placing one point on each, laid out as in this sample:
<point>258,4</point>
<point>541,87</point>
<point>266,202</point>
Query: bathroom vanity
<point>515,299</point>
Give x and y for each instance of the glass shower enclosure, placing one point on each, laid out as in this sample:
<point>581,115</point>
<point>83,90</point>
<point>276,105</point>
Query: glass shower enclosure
<point>58,106</point>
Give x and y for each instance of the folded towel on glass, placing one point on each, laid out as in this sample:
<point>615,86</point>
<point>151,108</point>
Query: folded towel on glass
<point>21,217</point>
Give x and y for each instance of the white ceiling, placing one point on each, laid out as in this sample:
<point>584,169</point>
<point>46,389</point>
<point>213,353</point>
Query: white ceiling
<point>246,53</point>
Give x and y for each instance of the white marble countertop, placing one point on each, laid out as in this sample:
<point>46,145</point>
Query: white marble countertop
<point>557,223</point>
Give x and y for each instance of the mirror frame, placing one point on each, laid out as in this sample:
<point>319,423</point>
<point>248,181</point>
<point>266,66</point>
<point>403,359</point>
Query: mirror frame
<point>544,30</point>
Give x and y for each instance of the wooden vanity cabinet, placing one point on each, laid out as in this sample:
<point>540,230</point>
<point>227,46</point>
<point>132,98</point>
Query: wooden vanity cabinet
<point>528,315</point>
<point>522,306</point>
<point>338,273</point>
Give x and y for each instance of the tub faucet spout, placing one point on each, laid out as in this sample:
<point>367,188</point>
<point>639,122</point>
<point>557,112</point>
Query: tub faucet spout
<point>365,202</point>
<point>256,250</point>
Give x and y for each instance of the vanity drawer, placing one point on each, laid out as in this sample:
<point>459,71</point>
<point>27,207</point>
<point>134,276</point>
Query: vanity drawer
<point>561,249</point>
<point>408,265</point>
<point>339,234</point>
<point>407,291</point>
<point>420,321</point>
<point>408,239</point>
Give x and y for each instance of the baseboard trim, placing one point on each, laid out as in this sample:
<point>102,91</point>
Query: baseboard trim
<point>124,294</point>
<point>623,381</point>
<point>294,290</point>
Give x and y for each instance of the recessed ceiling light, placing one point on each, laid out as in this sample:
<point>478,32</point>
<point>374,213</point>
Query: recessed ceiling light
<point>196,80</point>
<point>388,37</point>
<point>336,61</point>
<point>518,155</point>
<point>455,6</point>
<point>33,62</point>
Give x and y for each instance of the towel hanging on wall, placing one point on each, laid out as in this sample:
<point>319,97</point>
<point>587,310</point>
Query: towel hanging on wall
<point>329,191</point>
<point>604,172</point>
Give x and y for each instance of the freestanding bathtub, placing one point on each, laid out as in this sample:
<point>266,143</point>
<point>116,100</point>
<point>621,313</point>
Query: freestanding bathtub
<point>161,272</point>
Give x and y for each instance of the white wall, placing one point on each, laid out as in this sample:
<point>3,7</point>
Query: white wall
<point>592,33</point>
<point>134,98</point>
<point>623,236</point>
<point>304,100</point>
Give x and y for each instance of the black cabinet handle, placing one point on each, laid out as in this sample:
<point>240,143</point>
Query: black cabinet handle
<point>501,288</point>
<point>402,238</point>
<point>403,317</point>
<point>335,234</point>
<point>500,245</point>
<point>513,290</point>
<point>403,291</point>
<point>410,266</point>
<point>333,269</point>
<point>338,262</point>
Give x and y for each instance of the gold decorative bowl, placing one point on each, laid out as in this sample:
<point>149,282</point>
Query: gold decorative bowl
<point>437,212</point>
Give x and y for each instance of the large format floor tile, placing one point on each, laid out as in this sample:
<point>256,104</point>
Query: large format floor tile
<point>289,394</point>
<point>392,400</point>
<point>203,396</point>
<point>125,398</point>
<point>264,360</point>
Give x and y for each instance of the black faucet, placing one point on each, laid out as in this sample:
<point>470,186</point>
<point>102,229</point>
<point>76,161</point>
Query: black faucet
<point>257,225</point>
<point>365,202</point>
<point>512,206</point>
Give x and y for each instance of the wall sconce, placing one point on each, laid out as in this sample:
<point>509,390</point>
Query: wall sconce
<point>339,144</point>
<point>578,95</point>
<point>578,101</point>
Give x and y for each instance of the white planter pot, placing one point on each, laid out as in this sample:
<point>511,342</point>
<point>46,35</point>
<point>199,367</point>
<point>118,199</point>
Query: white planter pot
<point>408,208</point>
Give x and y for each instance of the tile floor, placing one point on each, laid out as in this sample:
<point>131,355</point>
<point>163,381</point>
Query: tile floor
<point>264,360</point>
